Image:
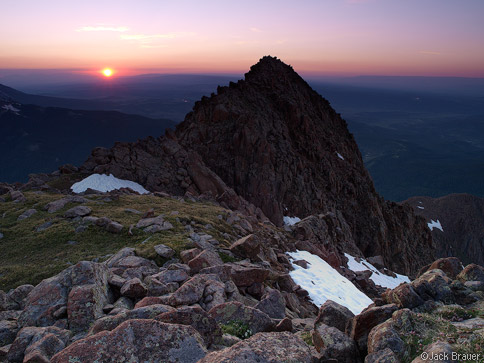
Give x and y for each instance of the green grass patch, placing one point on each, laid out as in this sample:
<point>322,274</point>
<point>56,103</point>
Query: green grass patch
<point>308,338</point>
<point>237,328</point>
<point>28,256</point>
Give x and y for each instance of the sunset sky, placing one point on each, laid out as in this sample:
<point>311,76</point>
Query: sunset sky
<point>327,37</point>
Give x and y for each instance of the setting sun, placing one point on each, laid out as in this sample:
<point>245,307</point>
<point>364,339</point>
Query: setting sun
<point>108,72</point>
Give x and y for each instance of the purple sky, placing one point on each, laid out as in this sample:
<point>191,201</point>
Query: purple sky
<point>327,37</point>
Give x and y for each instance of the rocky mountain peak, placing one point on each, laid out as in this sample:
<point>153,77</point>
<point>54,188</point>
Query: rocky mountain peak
<point>271,146</point>
<point>283,148</point>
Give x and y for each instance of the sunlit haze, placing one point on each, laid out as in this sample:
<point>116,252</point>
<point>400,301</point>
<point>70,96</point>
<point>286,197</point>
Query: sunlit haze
<point>327,37</point>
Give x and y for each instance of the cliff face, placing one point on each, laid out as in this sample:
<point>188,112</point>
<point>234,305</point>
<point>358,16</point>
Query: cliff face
<point>270,143</point>
<point>461,217</point>
<point>282,147</point>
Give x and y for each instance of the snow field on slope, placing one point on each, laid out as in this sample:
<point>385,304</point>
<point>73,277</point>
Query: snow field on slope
<point>106,183</point>
<point>377,277</point>
<point>325,283</point>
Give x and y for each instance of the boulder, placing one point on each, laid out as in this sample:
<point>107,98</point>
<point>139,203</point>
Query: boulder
<point>192,291</point>
<point>245,275</point>
<point>172,275</point>
<point>43,349</point>
<point>53,293</point>
<point>124,252</point>
<point>138,340</point>
<point>273,304</point>
<point>247,247</point>
<point>56,205</point>
<point>197,318</point>
<point>8,332</point>
<point>404,296</point>
<point>188,255</point>
<point>114,227</point>
<point>29,339</point>
<point>264,348</point>
<point>334,315</point>
<point>18,295</point>
<point>471,272</point>
<point>145,312</point>
<point>382,356</point>
<point>332,343</point>
<point>79,211</point>
<point>233,311</point>
<point>204,259</point>
<point>434,284</point>
<point>28,213</point>
<point>437,349</point>
<point>146,222</point>
<point>451,266</point>
<point>134,289</point>
<point>385,336</point>
<point>164,251</point>
<point>367,320</point>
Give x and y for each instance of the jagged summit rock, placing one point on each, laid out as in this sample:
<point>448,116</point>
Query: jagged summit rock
<point>271,146</point>
<point>282,147</point>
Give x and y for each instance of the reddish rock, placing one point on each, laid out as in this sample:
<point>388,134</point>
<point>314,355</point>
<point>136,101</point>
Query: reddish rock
<point>197,318</point>
<point>29,340</point>
<point>333,344</point>
<point>145,312</point>
<point>450,265</point>
<point>8,331</point>
<point>134,288</point>
<point>138,341</point>
<point>404,296</point>
<point>335,315</point>
<point>85,305</point>
<point>235,311</point>
<point>188,255</point>
<point>284,325</point>
<point>248,246</point>
<point>43,349</point>
<point>205,259</point>
<point>367,320</point>
<point>263,347</point>
<point>192,291</point>
<point>150,300</point>
<point>248,274</point>
<point>273,304</point>
<point>471,272</point>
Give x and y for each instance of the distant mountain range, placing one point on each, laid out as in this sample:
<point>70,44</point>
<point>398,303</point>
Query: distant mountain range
<point>38,139</point>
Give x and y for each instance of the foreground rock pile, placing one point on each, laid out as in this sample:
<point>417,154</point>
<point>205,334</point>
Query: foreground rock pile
<point>200,309</point>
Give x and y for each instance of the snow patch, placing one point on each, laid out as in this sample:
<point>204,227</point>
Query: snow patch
<point>435,224</point>
<point>377,277</point>
<point>340,156</point>
<point>106,183</point>
<point>11,108</point>
<point>323,283</point>
<point>419,207</point>
<point>289,221</point>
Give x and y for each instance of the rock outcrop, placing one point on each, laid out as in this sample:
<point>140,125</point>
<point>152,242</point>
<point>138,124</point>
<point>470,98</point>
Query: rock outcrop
<point>461,217</point>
